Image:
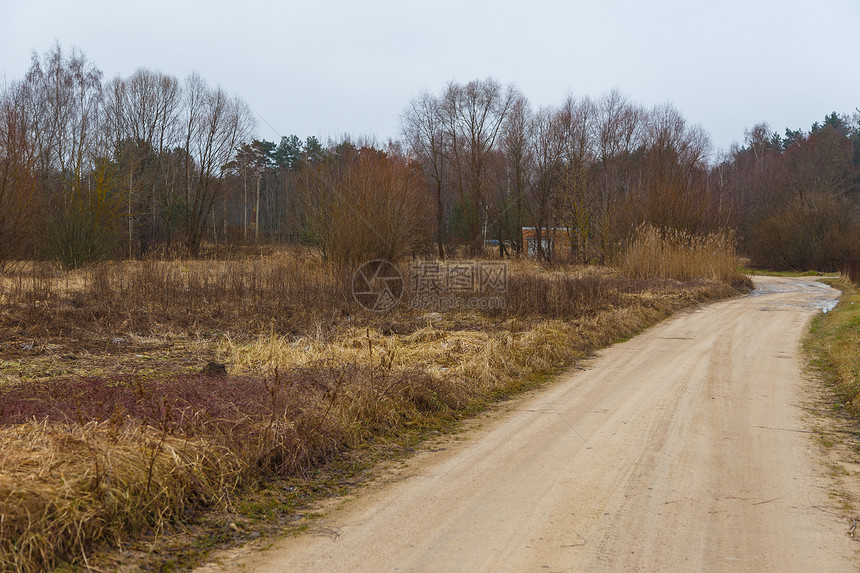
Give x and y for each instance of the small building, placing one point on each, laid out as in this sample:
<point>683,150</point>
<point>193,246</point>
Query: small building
<point>557,240</point>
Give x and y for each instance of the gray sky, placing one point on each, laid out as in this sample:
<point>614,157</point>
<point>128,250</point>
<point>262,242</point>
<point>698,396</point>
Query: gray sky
<point>333,67</point>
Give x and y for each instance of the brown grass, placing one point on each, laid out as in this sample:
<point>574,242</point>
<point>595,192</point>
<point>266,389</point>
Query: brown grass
<point>65,488</point>
<point>678,255</point>
<point>288,292</point>
<point>102,452</point>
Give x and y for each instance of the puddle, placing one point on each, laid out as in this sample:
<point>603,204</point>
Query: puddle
<point>818,296</point>
<point>762,290</point>
<point>827,305</point>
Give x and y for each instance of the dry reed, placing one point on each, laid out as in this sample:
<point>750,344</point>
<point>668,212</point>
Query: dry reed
<point>670,253</point>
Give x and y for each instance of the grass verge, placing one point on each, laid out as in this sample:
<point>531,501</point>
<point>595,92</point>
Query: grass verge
<point>834,346</point>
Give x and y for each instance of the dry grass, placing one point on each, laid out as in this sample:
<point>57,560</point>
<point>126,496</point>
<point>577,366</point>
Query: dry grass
<point>88,461</point>
<point>674,254</point>
<point>288,291</point>
<point>65,488</point>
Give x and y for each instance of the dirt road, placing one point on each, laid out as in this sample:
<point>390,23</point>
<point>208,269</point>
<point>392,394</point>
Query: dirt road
<point>683,449</point>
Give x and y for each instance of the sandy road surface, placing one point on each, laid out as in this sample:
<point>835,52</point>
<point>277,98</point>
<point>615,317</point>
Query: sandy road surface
<point>682,449</point>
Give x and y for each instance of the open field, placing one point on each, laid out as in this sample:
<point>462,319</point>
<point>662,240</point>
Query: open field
<point>112,427</point>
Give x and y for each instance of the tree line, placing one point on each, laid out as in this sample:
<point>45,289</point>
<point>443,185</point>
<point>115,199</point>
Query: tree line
<point>795,197</point>
<point>589,169</point>
<point>148,164</point>
<point>92,169</point>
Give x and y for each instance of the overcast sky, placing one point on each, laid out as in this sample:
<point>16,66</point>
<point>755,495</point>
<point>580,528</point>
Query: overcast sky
<point>332,67</point>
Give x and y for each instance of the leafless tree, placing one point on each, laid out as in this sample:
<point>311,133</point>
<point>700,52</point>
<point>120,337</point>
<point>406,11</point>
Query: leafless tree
<point>81,201</point>
<point>576,121</point>
<point>618,128</point>
<point>18,181</point>
<point>474,114</point>
<point>65,112</point>
<point>675,192</point>
<point>213,126</point>
<point>544,190</point>
<point>365,203</point>
<point>515,169</point>
<point>142,114</point>
<point>424,129</point>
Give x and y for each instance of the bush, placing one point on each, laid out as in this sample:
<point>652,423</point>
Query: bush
<point>814,232</point>
<point>365,204</point>
<point>83,222</point>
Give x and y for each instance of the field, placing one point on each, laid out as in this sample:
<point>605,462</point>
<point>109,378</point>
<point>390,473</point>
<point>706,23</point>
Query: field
<point>117,423</point>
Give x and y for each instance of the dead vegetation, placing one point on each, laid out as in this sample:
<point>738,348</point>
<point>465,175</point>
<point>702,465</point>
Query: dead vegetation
<point>110,429</point>
<point>671,253</point>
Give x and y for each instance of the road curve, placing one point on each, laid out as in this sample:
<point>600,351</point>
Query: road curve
<point>682,449</point>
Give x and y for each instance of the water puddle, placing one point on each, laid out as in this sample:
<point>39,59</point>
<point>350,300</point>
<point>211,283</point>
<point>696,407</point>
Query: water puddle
<point>813,295</point>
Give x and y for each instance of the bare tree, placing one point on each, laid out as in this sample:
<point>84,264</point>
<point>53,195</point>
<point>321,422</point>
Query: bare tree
<point>618,130</point>
<point>65,112</point>
<point>142,120</point>
<point>575,120</point>
<point>365,203</point>
<point>474,114</point>
<point>675,191</point>
<point>18,181</point>
<point>515,171</point>
<point>424,128</point>
<point>214,125</point>
<point>544,188</point>
<point>81,198</point>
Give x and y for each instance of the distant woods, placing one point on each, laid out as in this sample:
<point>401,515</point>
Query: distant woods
<point>583,174</point>
<point>150,165</point>
<point>587,173</point>
<point>795,197</point>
